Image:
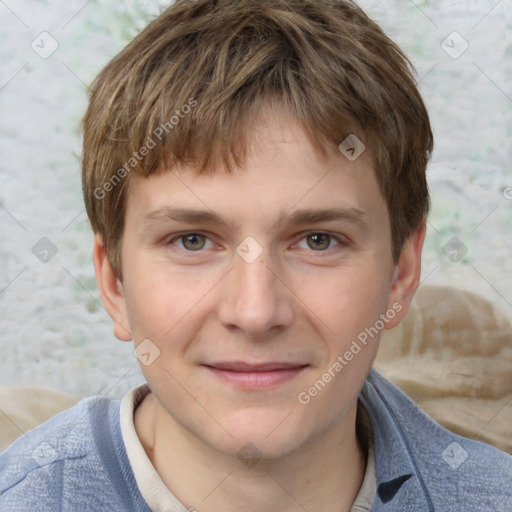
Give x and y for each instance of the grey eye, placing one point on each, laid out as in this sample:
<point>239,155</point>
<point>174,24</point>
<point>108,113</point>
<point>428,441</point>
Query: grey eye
<point>318,241</point>
<point>193,242</point>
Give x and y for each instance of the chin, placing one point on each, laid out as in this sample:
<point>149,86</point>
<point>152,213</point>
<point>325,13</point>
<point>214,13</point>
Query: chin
<point>262,434</point>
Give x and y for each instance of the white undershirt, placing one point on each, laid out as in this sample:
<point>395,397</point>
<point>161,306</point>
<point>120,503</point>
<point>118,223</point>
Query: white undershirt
<point>157,495</point>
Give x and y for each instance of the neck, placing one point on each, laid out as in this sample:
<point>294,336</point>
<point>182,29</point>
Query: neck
<point>325,474</point>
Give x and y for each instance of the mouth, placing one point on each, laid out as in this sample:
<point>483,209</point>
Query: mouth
<point>255,376</point>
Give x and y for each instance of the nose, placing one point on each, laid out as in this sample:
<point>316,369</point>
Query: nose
<point>255,298</point>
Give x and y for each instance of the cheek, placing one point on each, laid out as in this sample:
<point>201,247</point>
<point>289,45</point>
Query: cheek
<point>165,306</point>
<point>148,302</point>
<point>350,309</point>
<point>347,300</point>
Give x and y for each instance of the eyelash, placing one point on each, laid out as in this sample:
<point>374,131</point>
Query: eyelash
<point>339,239</point>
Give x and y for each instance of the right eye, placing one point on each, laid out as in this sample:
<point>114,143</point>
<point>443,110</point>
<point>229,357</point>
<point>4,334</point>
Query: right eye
<point>190,242</point>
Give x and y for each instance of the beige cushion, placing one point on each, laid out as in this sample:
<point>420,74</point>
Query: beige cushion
<point>23,408</point>
<point>452,355</point>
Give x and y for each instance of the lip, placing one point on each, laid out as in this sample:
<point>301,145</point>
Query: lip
<point>255,376</point>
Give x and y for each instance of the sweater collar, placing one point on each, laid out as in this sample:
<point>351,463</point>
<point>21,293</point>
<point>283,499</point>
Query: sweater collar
<point>400,485</point>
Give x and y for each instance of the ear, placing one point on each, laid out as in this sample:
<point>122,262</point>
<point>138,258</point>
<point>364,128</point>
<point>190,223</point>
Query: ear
<point>111,291</point>
<point>406,276</point>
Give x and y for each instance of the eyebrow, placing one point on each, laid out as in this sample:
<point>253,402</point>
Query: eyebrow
<point>302,216</point>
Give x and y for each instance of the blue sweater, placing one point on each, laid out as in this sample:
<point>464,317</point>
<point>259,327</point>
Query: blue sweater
<point>77,462</point>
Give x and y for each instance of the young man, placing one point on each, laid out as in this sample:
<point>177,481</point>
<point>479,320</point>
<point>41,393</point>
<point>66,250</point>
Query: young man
<point>254,172</point>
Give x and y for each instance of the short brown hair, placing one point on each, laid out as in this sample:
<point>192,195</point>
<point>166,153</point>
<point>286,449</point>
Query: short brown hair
<point>185,89</point>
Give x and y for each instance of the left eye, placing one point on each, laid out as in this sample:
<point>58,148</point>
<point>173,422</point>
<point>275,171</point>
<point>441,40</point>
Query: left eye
<point>319,241</point>
<point>192,241</point>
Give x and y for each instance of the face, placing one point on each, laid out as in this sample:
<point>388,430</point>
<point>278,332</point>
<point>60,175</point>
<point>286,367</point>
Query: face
<point>254,286</point>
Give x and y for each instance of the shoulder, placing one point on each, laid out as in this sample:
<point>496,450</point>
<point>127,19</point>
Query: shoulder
<point>450,472</point>
<point>38,470</point>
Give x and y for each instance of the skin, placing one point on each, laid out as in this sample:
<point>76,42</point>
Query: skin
<point>296,303</point>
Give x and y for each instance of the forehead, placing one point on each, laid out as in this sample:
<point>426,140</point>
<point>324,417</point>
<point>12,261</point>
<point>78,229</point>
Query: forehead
<point>283,174</point>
